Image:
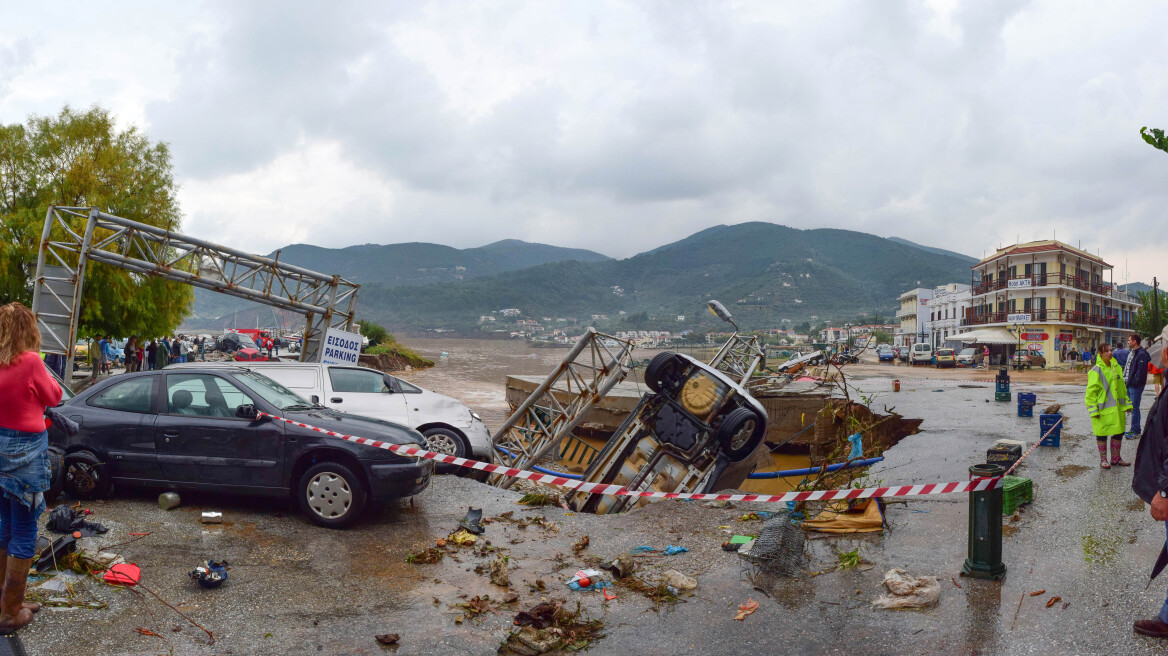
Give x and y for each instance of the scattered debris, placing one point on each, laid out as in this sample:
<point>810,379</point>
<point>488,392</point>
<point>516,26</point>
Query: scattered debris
<point>499,571</point>
<point>461,538</point>
<point>676,579</point>
<point>539,499</point>
<point>607,596</point>
<point>1053,409</point>
<point>547,627</point>
<point>64,519</point>
<point>211,517</point>
<point>908,591</point>
<point>719,503</point>
<point>147,632</point>
<point>587,579</point>
<point>53,557</point>
<point>1053,601</point>
<point>169,500</point>
<point>210,575</point>
<point>955,581</point>
<point>755,516</point>
<point>477,605</point>
<point>731,546</point>
<point>123,574</point>
<point>622,566</point>
<point>425,557</point>
<point>580,545</point>
<point>670,550</point>
<point>473,521</point>
<point>388,638</point>
<point>746,609</point>
<point>849,559</point>
<point>1035,594</point>
<point>511,597</point>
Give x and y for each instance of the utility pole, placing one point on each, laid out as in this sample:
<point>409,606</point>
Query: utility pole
<point>1155,306</point>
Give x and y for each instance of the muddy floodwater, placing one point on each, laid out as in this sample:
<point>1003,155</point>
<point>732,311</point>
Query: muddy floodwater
<point>475,372</point>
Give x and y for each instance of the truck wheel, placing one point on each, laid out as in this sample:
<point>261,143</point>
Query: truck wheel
<point>661,371</point>
<point>446,442</point>
<point>331,495</point>
<point>740,433</point>
<point>86,476</point>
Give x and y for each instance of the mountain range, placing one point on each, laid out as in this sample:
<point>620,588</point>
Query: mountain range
<point>763,272</point>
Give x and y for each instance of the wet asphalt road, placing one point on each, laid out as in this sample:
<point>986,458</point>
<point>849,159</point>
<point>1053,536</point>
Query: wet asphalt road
<point>298,589</point>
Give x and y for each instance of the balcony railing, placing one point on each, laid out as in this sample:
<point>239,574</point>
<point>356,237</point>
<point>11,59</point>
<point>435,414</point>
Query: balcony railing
<point>1047,279</point>
<point>1042,316</point>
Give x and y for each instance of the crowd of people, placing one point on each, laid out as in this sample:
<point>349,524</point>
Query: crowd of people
<point>149,355</point>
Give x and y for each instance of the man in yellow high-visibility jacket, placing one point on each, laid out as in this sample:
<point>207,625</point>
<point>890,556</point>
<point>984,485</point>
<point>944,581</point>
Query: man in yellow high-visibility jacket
<point>1107,404</point>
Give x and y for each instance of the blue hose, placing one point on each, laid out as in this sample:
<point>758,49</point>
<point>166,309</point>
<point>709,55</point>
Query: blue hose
<point>815,470</point>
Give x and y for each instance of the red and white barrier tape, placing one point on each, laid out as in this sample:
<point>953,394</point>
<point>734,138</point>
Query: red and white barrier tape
<point>973,485</point>
<point>1035,446</point>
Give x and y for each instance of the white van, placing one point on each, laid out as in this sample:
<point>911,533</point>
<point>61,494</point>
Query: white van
<point>921,354</point>
<point>448,426</point>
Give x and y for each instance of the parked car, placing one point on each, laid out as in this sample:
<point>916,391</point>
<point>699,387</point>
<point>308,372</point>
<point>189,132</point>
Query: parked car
<point>945,359</point>
<point>683,435</point>
<point>902,353</point>
<point>447,425</point>
<point>250,355</point>
<point>232,342</point>
<point>968,356</point>
<point>1028,360</point>
<point>921,354</point>
<point>199,430</point>
<point>884,353</point>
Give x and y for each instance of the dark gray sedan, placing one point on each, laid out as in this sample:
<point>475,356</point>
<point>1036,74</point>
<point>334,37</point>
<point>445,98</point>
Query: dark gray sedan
<point>199,430</point>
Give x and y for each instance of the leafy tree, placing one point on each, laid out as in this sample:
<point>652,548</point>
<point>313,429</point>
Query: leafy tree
<point>81,159</point>
<point>376,333</point>
<point>881,337</point>
<point>1155,138</point>
<point>1144,324</point>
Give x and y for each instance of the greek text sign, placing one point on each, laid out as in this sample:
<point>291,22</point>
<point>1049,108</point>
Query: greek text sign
<point>340,347</point>
<point>1015,283</point>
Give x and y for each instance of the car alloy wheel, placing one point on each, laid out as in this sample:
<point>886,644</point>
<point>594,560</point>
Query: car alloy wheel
<point>329,495</point>
<point>442,443</point>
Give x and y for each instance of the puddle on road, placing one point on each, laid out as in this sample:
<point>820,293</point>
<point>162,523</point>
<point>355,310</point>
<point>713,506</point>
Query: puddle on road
<point>1071,471</point>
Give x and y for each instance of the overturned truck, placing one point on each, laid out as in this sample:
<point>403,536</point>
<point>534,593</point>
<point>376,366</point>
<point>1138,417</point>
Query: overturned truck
<point>683,436</point>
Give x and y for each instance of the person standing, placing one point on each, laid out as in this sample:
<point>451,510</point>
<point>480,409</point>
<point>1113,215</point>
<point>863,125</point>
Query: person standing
<point>1135,377</point>
<point>28,390</point>
<point>1107,402</point>
<point>131,352</point>
<point>163,353</point>
<point>1120,356</point>
<point>151,355</point>
<point>985,356</point>
<point>202,346</point>
<point>103,347</point>
<point>1150,475</point>
<point>175,349</point>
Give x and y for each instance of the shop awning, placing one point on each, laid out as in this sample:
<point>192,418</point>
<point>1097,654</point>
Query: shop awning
<point>986,336</point>
<point>1094,330</point>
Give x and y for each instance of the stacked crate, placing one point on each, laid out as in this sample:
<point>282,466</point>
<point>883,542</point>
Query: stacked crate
<point>1026,401</point>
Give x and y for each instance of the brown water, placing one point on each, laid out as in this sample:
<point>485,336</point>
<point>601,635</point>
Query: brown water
<point>475,372</point>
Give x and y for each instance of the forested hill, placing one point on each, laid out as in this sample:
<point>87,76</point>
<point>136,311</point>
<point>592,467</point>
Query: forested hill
<point>391,265</point>
<point>762,271</point>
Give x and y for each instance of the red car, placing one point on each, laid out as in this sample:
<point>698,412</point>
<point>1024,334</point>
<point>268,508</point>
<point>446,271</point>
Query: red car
<point>250,355</point>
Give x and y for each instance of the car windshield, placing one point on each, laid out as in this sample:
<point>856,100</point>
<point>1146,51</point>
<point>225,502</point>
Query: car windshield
<point>66,393</point>
<point>945,352</point>
<point>245,341</point>
<point>273,392</point>
<point>967,351</point>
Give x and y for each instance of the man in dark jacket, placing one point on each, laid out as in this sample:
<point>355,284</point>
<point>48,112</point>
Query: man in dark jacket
<point>1135,376</point>
<point>1150,478</point>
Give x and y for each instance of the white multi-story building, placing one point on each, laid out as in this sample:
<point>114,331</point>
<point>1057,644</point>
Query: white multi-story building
<point>948,307</point>
<point>1051,297</point>
<point>913,315</point>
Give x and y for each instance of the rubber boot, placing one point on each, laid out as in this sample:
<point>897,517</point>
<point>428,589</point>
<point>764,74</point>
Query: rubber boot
<point>1116,444</point>
<point>31,605</point>
<point>1103,454</point>
<point>13,615</point>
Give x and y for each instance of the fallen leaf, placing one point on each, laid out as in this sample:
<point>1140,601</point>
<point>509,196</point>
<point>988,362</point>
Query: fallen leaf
<point>1035,594</point>
<point>746,609</point>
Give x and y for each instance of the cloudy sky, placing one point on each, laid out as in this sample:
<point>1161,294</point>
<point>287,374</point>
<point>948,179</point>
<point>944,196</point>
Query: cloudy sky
<point>620,126</point>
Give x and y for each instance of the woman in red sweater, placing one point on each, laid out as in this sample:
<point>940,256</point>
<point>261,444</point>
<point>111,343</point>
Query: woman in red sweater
<point>27,390</point>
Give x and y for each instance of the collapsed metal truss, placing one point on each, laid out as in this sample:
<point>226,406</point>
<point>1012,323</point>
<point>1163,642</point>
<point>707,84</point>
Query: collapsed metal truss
<point>739,358</point>
<point>74,236</point>
<point>543,421</point>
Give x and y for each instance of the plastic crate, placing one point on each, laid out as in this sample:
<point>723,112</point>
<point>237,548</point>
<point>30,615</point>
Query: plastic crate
<point>1016,491</point>
<point>1045,422</point>
<point>1003,454</point>
<point>1029,398</point>
<point>1002,396</point>
<point>1025,410</point>
<point>1002,387</point>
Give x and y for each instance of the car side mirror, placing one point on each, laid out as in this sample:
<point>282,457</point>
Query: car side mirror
<point>247,411</point>
<point>314,399</point>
